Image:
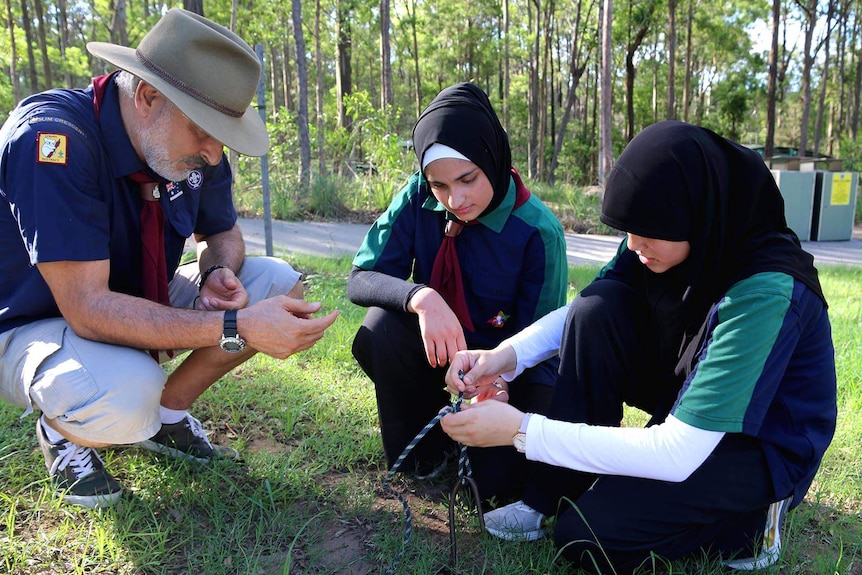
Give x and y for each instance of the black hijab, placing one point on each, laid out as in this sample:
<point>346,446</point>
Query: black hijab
<point>461,117</point>
<point>679,182</point>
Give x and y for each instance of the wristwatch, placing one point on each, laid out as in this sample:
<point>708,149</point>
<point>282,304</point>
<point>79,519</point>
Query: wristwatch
<point>520,438</point>
<point>231,341</point>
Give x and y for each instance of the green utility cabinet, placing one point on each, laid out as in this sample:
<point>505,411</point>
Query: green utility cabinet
<point>834,206</point>
<point>797,189</point>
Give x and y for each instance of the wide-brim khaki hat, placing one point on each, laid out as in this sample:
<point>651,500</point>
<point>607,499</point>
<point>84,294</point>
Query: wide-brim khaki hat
<point>207,71</point>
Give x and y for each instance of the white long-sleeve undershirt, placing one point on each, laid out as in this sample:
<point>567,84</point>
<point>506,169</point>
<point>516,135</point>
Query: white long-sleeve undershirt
<point>538,341</point>
<point>670,451</point>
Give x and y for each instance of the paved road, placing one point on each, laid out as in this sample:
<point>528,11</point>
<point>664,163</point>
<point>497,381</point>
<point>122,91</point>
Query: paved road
<point>338,239</point>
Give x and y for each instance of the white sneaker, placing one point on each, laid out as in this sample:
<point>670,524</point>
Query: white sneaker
<point>515,522</point>
<point>771,540</point>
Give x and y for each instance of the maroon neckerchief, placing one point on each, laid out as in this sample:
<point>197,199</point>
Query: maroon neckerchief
<point>446,276</point>
<point>154,267</point>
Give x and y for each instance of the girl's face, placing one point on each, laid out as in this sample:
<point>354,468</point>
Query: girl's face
<point>461,186</point>
<point>658,255</point>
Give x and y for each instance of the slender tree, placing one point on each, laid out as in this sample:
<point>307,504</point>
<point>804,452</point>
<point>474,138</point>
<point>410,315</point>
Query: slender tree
<point>671,59</point>
<point>28,36</point>
<point>809,8</point>
<point>343,75</point>
<point>302,99</point>
<point>320,92</point>
<point>385,57</point>
<point>43,43</point>
<point>606,110</point>
<point>772,81</point>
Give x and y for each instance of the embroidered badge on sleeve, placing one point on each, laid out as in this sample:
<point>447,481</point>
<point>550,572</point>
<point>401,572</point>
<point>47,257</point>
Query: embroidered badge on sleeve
<point>51,148</point>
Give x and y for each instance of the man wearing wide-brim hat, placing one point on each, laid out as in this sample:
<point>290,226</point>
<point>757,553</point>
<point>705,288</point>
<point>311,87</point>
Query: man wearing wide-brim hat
<point>102,188</point>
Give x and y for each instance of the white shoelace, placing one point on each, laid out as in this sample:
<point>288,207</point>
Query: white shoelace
<point>79,458</point>
<point>197,430</point>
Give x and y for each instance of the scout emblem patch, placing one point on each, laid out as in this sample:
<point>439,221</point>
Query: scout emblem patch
<point>51,148</point>
<point>498,320</point>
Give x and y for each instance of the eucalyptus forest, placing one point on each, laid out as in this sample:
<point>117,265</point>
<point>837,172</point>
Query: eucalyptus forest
<point>572,80</point>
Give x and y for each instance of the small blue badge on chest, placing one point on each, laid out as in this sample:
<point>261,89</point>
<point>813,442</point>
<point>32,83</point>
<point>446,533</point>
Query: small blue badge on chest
<point>195,179</point>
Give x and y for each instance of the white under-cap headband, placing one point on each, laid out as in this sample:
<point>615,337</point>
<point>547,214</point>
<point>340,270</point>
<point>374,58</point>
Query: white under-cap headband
<point>439,151</point>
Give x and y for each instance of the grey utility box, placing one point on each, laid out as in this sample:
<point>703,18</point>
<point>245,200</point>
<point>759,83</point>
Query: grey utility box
<point>834,206</point>
<point>797,189</point>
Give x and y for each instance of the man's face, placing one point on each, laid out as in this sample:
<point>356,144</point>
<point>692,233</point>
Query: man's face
<point>173,146</point>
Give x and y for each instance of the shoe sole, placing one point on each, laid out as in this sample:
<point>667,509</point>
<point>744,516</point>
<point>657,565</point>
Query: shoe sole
<point>510,535</point>
<point>155,447</point>
<point>170,451</point>
<point>93,501</point>
<point>767,557</point>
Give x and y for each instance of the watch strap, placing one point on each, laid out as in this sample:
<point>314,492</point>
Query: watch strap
<point>229,329</point>
<point>524,422</point>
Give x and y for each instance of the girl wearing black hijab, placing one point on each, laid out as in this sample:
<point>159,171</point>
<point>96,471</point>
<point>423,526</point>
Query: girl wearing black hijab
<point>464,257</point>
<point>711,319</point>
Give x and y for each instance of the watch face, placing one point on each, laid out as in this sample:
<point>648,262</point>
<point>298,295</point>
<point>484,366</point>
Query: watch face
<point>232,344</point>
<point>520,442</point>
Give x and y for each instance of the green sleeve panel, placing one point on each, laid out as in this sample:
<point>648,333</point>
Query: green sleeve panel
<point>740,336</point>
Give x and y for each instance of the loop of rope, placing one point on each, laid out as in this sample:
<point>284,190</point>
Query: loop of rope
<point>465,472</point>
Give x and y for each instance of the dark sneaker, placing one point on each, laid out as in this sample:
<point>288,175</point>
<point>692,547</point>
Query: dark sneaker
<point>187,440</point>
<point>78,473</point>
<point>771,540</point>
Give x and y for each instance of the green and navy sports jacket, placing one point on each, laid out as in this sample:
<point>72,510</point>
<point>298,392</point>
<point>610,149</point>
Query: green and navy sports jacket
<point>513,261</point>
<point>764,366</point>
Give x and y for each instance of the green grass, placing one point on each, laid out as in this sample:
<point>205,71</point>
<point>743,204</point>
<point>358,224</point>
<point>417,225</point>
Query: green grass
<point>307,497</point>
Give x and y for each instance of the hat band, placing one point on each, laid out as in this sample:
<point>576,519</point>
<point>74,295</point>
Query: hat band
<point>186,89</point>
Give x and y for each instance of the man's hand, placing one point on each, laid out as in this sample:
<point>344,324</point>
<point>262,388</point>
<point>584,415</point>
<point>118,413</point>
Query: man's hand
<point>222,290</point>
<point>441,331</point>
<point>282,326</point>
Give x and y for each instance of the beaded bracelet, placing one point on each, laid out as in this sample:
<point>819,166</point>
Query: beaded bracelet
<point>205,276</point>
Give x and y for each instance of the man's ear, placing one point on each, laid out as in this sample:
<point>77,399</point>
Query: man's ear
<point>146,98</point>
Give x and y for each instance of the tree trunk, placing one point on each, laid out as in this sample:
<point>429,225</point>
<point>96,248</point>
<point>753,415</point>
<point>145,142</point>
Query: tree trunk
<point>533,141</point>
<point>196,6</point>
<point>302,100</point>
<point>689,57</point>
<point>31,59</point>
<point>13,69</point>
<point>343,76</point>
<point>807,64</point>
<point>287,77</point>
<point>274,69</point>
<point>606,158</point>
<point>417,83</point>
<point>631,50</point>
<point>772,82</point>
<point>318,59</point>
<point>63,39</point>
<point>671,59</point>
<point>576,71</point>
<point>824,82</point>
<point>385,57</point>
<point>506,68</point>
<point>43,44</point>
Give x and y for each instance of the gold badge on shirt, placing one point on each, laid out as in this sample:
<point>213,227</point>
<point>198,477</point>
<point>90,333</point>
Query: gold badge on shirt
<point>51,148</point>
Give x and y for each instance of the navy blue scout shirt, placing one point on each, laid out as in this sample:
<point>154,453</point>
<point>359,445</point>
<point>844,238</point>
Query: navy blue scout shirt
<point>66,197</point>
<point>513,262</point>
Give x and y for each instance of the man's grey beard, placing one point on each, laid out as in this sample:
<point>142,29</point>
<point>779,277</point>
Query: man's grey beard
<point>155,150</point>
